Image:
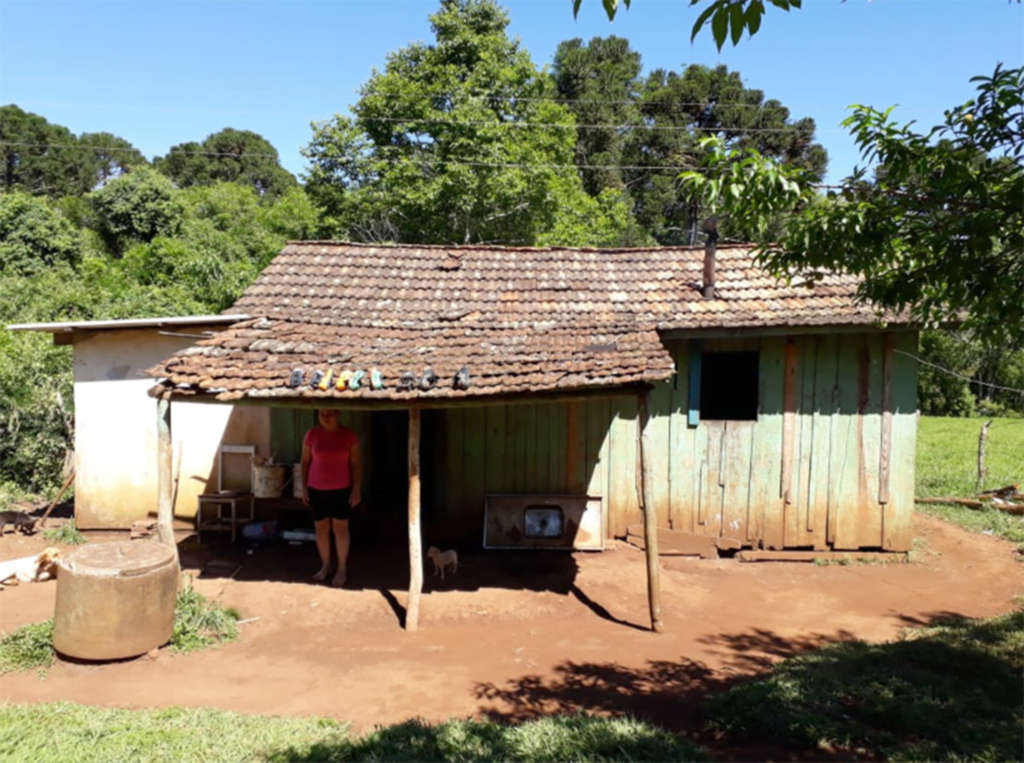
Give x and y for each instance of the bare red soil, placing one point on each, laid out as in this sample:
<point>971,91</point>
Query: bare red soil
<point>514,635</point>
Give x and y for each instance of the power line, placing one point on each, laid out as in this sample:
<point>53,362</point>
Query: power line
<point>472,97</point>
<point>666,128</point>
<point>959,375</point>
<point>432,160</point>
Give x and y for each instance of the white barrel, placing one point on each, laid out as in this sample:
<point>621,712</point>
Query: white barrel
<point>297,480</point>
<point>268,480</point>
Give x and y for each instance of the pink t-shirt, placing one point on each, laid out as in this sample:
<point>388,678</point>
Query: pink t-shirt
<point>329,469</point>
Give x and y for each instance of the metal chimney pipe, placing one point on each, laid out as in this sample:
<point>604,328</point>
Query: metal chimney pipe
<point>710,227</point>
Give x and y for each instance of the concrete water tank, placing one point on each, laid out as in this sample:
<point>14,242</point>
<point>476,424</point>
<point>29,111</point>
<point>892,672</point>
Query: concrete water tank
<point>115,600</point>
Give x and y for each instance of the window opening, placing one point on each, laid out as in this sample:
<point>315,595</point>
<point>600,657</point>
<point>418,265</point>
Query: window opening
<point>728,386</point>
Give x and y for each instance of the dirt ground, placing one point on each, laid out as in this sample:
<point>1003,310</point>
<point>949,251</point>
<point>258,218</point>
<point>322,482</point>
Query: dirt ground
<point>514,635</point>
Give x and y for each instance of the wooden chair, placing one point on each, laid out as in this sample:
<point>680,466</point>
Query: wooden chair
<point>227,500</point>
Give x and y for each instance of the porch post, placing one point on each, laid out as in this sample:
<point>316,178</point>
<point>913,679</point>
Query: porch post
<point>412,608</point>
<point>650,517</point>
<point>165,475</point>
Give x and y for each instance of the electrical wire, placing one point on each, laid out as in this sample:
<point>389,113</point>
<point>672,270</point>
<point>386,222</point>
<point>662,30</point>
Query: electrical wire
<point>959,375</point>
<point>453,162</point>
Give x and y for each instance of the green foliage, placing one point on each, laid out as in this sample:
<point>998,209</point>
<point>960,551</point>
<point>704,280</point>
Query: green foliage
<point>940,393</point>
<point>111,156</point>
<point>228,156</point>
<point>28,648</point>
<point>200,623</point>
<point>137,208</point>
<point>67,533</point>
<point>34,235</point>
<point>731,18</point>
<point>598,82</point>
<point>681,112</point>
<point>45,159</point>
<point>938,235</point>
<point>950,692</point>
<point>443,146</point>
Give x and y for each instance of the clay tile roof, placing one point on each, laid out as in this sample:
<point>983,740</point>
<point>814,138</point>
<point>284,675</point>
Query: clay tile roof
<point>520,320</point>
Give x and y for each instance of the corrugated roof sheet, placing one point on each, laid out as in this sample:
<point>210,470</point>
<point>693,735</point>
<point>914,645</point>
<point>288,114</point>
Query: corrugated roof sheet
<point>521,320</point>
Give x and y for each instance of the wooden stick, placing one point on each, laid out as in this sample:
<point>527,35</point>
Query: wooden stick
<point>981,452</point>
<point>67,482</point>
<point>412,608</point>
<point>165,476</point>
<point>650,518</point>
<point>972,504</point>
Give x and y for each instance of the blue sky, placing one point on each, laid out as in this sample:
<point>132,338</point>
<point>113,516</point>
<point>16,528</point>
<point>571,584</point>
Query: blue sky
<point>159,73</point>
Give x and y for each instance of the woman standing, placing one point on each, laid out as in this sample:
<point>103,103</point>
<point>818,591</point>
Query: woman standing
<point>332,472</point>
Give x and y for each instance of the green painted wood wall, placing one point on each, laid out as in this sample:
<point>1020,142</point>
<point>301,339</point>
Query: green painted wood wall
<point>715,478</point>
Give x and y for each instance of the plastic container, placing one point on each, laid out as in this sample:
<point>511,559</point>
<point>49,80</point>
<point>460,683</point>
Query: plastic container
<point>260,530</point>
<point>268,480</point>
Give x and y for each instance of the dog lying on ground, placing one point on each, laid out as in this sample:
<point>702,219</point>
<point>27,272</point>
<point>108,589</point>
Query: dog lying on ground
<point>30,569</point>
<point>23,522</point>
<point>442,560</point>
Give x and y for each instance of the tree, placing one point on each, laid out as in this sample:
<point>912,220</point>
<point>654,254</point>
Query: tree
<point>456,141</point>
<point>47,159</point>
<point>33,235</point>
<point>38,157</point>
<point>680,110</point>
<point>111,156</point>
<point>228,156</point>
<point>598,83</point>
<point>937,233</point>
<point>137,208</point>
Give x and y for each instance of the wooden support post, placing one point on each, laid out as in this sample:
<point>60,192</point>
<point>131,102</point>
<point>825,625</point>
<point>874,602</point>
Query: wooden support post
<point>650,518</point>
<point>165,476</point>
<point>412,607</point>
<point>981,452</point>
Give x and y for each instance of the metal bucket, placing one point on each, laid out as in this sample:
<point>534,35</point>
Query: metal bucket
<point>268,480</point>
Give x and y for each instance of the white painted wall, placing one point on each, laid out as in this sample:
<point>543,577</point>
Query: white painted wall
<point>115,431</point>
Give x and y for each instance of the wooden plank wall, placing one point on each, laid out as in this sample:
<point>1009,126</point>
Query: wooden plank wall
<point>715,478</point>
<point>727,478</point>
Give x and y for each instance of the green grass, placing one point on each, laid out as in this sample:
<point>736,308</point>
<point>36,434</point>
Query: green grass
<point>198,624</point>
<point>951,692</point>
<point>947,465</point>
<point>28,648</point>
<point>67,533</point>
<point>71,733</point>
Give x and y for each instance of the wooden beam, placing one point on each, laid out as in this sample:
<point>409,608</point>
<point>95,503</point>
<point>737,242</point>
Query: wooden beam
<point>359,402</point>
<point>650,518</point>
<point>165,476</point>
<point>783,330</point>
<point>412,608</point>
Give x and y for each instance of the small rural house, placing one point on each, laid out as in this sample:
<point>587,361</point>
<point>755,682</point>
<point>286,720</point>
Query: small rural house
<point>116,433</point>
<point>774,416</point>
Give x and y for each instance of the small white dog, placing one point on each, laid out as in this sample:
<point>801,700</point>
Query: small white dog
<point>30,569</point>
<point>443,559</point>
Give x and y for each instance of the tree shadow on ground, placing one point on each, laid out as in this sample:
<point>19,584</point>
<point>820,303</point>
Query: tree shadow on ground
<point>952,690</point>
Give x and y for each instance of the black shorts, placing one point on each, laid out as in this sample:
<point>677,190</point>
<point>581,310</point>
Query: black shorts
<point>329,504</point>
